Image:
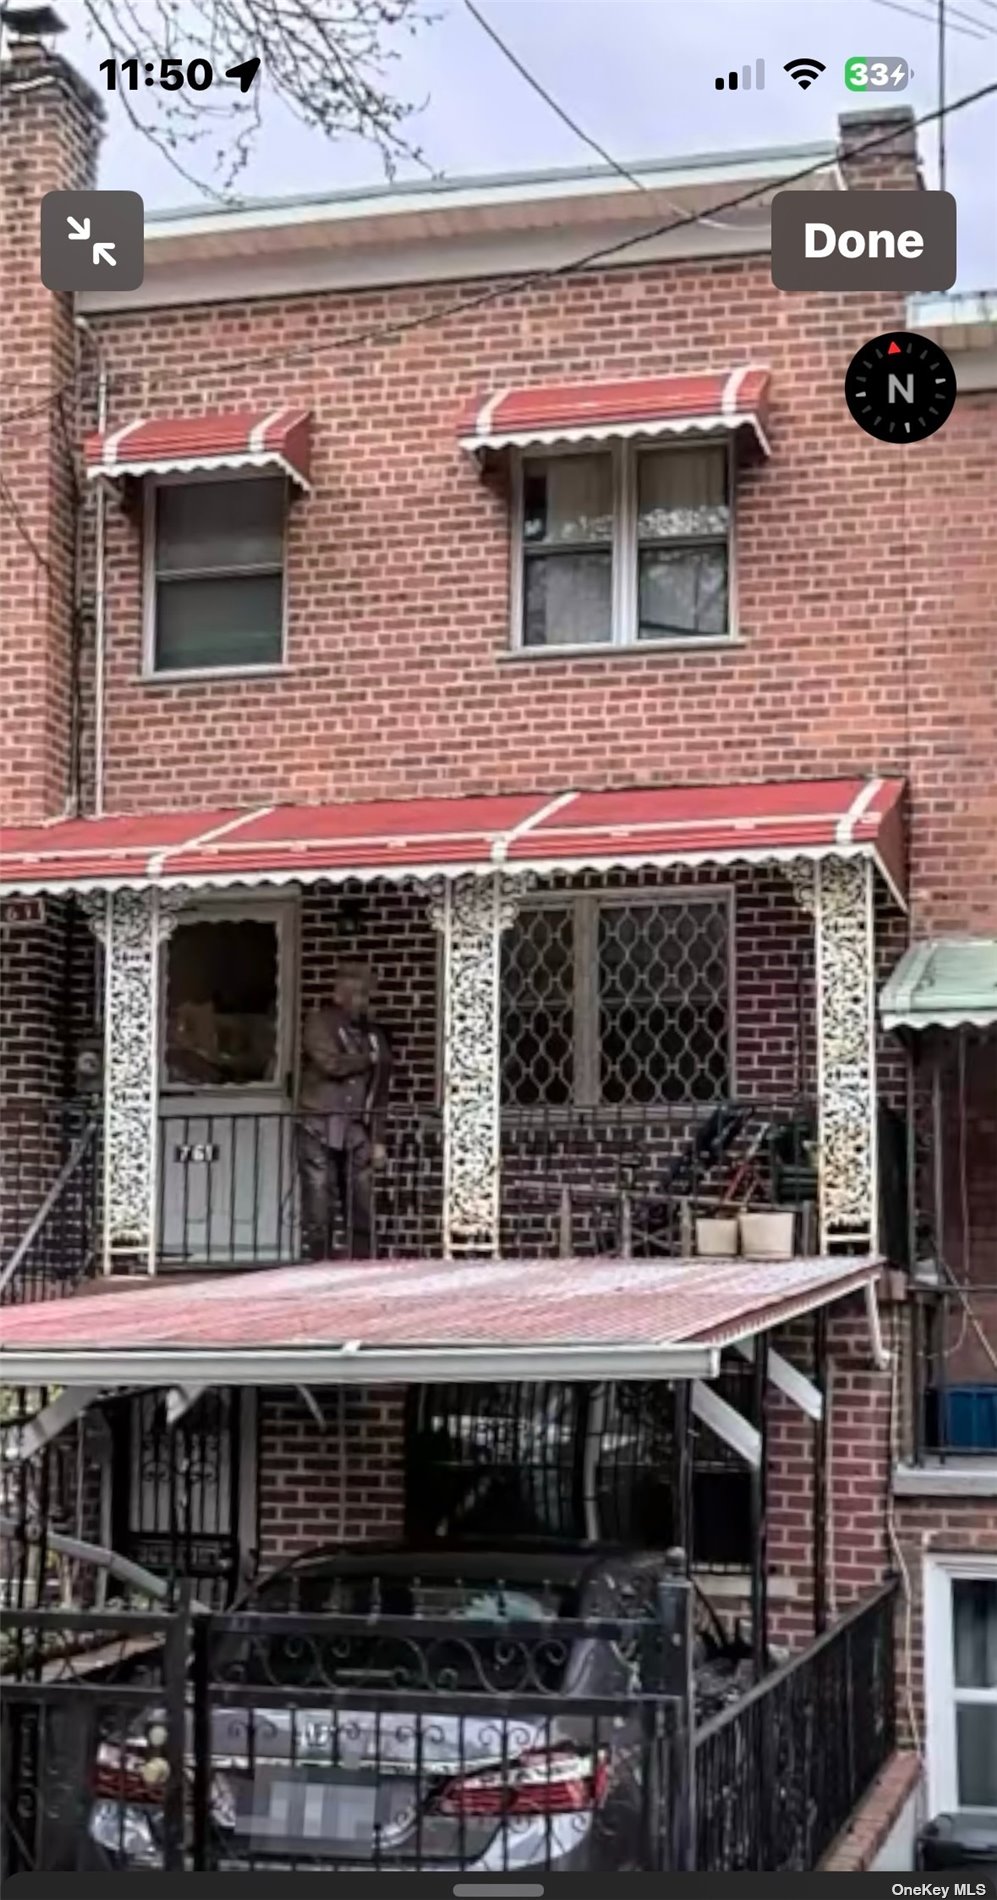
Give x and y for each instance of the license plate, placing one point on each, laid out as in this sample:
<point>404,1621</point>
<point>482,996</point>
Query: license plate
<point>298,1808</point>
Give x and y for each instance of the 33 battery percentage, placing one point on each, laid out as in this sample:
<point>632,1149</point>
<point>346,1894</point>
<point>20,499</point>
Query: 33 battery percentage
<point>877,75</point>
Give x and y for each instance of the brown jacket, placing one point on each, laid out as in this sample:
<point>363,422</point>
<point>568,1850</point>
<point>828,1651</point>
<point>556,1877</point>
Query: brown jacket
<point>345,1070</point>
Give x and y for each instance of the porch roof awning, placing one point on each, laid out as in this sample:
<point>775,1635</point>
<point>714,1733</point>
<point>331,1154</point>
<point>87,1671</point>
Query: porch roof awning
<point>418,1321</point>
<point>187,445</point>
<point>556,414</point>
<point>946,983</point>
<point>424,838</point>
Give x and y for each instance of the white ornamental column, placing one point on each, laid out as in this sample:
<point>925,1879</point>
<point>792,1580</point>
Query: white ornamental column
<point>472,913</point>
<point>132,927</point>
<point>841,899</point>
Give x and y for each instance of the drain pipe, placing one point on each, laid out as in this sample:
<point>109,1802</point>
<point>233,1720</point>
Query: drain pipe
<point>99,637</point>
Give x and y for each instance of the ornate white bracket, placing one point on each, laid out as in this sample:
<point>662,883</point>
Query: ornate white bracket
<point>846,1054</point>
<point>472,913</point>
<point>131,926</point>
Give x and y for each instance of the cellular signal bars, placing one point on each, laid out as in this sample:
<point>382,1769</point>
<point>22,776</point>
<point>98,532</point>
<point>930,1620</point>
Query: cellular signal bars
<point>732,81</point>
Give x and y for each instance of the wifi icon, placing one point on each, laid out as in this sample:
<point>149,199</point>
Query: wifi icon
<point>804,71</point>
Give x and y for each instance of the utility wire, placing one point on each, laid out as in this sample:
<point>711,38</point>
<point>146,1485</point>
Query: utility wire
<point>542,93</point>
<point>492,293</point>
<point>572,124</point>
<point>10,505</point>
<point>927,19</point>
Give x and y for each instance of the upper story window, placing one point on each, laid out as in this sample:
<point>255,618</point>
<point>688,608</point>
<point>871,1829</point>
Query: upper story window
<point>623,545</point>
<point>215,574</point>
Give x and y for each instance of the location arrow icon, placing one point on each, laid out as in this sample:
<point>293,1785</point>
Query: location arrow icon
<point>245,73</point>
<point>104,254</point>
<point>78,231</point>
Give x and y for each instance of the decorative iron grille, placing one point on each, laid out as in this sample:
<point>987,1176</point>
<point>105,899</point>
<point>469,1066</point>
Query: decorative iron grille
<point>617,1000</point>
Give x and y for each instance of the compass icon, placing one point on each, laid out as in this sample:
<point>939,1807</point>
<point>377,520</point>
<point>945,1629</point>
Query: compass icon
<point>900,387</point>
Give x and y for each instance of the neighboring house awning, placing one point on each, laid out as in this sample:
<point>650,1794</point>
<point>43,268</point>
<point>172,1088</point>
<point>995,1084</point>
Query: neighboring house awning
<point>428,837</point>
<point>548,415</point>
<point>947,983</point>
<point>372,1322</point>
<point>187,445</point>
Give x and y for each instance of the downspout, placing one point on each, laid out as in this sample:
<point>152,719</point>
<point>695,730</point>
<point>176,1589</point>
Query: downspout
<point>99,609</point>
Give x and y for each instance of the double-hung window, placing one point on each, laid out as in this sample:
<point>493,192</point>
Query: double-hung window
<point>622,546</point>
<point>215,574</point>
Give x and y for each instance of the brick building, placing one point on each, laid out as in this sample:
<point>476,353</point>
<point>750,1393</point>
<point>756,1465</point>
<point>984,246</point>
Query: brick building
<point>553,644</point>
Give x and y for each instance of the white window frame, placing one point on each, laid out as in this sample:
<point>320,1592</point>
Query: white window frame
<point>165,675</point>
<point>585,1040</point>
<point>624,458</point>
<point>940,1693</point>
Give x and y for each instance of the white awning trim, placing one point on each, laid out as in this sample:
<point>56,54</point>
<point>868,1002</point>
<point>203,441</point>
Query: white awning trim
<point>729,1424</point>
<point>431,873</point>
<point>336,1365</point>
<point>199,465</point>
<point>571,434</point>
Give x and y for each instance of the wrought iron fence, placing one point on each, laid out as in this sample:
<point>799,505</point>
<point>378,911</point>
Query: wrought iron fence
<point>247,1188</point>
<point>778,1774</point>
<point>52,1231</point>
<point>432,1722</point>
<point>955,1376</point>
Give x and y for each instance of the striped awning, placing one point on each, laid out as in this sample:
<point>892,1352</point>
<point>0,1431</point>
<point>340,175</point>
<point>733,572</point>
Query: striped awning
<point>559,414</point>
<point>423,838</point>
<point>188,445</point>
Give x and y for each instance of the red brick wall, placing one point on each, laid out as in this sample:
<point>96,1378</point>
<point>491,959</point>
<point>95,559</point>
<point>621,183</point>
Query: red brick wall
<point>47,142</point>
<point>339,1481</point>
<point>857,1556</point>
<point>951,1525</point>
<point>398,677</point>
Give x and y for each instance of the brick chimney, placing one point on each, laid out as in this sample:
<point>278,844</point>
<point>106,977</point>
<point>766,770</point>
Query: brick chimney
<point>890,166</point>
<point>50,123</point>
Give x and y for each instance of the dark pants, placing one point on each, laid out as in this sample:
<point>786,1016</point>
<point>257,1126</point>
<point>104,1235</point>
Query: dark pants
<point>336,1188</point>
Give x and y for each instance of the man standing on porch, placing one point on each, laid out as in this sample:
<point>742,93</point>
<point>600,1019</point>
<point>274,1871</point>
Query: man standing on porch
<point>346,1071</point>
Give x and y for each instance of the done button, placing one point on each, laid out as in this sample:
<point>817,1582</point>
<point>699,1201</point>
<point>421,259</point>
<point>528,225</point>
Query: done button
<point>863,240</point>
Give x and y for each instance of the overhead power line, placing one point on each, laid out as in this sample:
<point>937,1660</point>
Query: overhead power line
<point>560,112</point>
<point>928,19</point>
<point>506,287</point>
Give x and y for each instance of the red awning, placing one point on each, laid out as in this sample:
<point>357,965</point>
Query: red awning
<point>426,837</point>
<point>556,413</point>
<point>418,1320</point>
<point>183,445</point>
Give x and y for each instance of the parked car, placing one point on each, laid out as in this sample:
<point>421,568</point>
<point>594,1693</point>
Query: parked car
<point>455,1735</point>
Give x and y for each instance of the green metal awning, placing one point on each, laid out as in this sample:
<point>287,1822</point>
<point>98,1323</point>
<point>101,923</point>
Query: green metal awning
<point>946,983</point>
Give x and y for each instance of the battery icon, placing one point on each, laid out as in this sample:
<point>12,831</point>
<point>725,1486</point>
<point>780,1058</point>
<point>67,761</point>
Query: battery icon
<point>879,74</point>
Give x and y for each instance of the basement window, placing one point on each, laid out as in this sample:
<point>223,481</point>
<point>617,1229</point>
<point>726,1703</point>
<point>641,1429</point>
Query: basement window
<point>215,575</point>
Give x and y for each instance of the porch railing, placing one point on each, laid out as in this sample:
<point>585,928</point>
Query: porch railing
<point>955,1375</point>
<point>778,1774</point>
<point>52,1235</point>
<point>573,1182</point>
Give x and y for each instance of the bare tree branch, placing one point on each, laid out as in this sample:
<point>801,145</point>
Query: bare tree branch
<point>327,61</point>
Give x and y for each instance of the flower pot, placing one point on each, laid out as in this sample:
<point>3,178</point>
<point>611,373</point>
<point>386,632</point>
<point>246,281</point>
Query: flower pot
<point>717,1237</point>
<point>768,1235</point>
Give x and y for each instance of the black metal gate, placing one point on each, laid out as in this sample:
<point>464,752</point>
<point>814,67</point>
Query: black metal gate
<point>180,1462</point>
<point>75,1685</point>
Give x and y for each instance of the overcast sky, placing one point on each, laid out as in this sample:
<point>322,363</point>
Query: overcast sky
<point>638,75</point>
